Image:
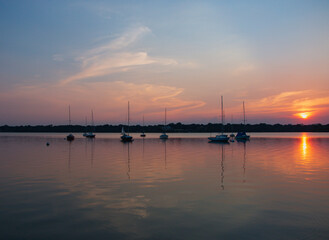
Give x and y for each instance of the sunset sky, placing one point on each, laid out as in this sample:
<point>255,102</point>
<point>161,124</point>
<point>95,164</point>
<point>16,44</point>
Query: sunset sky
<point>179,55</point>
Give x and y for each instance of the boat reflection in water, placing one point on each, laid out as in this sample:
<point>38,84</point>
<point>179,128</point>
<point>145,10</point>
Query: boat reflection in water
<point>164,141</point>
<point>164,187</point>
<point>244,143</point>
<point>221,146</point>
<point>127,145</point>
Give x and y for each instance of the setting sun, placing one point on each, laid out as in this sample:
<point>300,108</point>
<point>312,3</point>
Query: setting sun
<point>303,115</point>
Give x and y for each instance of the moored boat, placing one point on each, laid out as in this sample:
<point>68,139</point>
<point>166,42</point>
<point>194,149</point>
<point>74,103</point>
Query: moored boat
<point>91,134</point>
<point>164,135</point>
<point>243,135</point>
<point>220,137</point>
<point>125,137</point>
<point>143,132</point>
<point>70,137</point>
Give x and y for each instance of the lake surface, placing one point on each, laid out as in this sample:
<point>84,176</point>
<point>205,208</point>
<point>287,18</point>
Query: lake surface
<point>275,186</point>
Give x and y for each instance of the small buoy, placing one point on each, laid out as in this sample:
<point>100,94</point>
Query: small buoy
<point>47,143</point>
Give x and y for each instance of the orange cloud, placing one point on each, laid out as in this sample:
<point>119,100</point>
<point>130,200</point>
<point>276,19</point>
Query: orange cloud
<point>291,103</point>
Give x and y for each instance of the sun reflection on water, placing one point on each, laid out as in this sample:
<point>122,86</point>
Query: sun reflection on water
<point>306,150</point>
<point>304,146</point>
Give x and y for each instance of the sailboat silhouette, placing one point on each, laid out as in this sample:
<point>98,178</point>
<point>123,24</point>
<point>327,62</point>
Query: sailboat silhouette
<point>125,136</point>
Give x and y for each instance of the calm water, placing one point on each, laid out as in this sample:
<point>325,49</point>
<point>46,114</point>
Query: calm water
<point>275,186</point>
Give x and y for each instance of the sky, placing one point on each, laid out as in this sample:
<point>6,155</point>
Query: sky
<point>178,55</point>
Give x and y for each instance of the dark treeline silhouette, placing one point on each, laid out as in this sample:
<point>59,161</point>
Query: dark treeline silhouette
<point>173,127</point>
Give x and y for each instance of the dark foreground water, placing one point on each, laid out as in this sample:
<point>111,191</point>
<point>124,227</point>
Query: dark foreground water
<point>272,187</point>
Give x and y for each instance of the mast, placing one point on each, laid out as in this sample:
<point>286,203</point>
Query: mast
<point>69,115</point>
<point>92,120</point>
<point>128,118</point>
<point>222,115</point>
<point>165,123</point>
<point>244,115</point>
<point>165,116</point>
<point>70,118</point>
<point>86,125</point>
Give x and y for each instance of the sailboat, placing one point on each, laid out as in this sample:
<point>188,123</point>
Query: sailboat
<point>222,137</point>
<point>91,134</point>
<point>143,133</point>
<point>70,137</point>
<point>85,133</point>
<point>242,135</point>
<point>164,135</point>
<point>126,137</point>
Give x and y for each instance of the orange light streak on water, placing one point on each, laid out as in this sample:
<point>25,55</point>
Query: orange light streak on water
<point>304,147</point>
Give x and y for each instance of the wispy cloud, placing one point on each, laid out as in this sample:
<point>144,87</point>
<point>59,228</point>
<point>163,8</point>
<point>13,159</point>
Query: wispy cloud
<point>114,57</point>
<point>126,39</point>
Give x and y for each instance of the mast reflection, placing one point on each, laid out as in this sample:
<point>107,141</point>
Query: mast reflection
<point>222,167</point>
<point>244,142</point>
<point>69,160</point>
<point>222,159</point>
<point>143,147</point>
<point>91,142</point>
<point>244,161</point>
<point>92,151</point>
<point>165,153</point>
<point>128,159</point>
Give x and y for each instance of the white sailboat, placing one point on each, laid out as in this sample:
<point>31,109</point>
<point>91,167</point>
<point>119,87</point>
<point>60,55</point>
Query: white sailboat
<point>222,137</point>
<point>125,136</point>
<point>164,135</point>
<point>91,134</point>
<point>242,135</point>
<point>70,137</point>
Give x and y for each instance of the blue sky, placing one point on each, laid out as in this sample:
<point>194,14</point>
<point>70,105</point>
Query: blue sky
<point>177,54</point>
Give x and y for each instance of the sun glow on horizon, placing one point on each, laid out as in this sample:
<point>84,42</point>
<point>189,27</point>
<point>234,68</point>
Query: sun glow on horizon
<point>303,115</point>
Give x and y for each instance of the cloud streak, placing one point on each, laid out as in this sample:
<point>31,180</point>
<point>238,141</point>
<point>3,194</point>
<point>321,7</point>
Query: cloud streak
<point>113,57</point>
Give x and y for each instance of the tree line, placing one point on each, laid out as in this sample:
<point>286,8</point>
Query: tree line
<point>172,127</point>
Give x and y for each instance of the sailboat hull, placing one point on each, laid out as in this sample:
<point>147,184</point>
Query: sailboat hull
<point>164,136</point>
<point>90,135</point>
<point>242,136</point>
<point>126,138</point>
<point>70,137</point>
<point>219,138</point>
